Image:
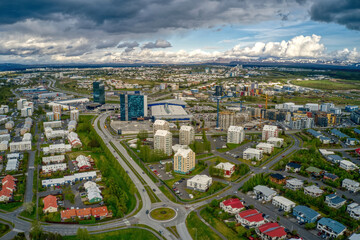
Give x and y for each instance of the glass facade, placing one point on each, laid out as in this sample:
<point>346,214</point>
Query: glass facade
<point>132,106</point>
<point>99,92</point>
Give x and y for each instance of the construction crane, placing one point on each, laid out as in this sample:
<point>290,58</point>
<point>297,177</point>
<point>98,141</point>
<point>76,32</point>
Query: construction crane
<point>266,99</point>
<point>241,102</point>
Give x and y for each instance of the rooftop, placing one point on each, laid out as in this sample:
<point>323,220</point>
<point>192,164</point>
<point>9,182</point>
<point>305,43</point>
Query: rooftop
<point>332,224</point>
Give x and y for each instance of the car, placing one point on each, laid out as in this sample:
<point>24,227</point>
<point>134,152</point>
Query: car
<point>154,189</point>
<point>143,173</point>
<point>147,211</point>
<point>143,190</point>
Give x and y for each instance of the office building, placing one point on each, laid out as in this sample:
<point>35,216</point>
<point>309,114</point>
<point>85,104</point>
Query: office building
<point>184,161</point>
<point>186,135</point>
<point>269,131</point>
<point>99,92</point>
<point>133,106</point>
<point>235,134</point>
<point>163,141</point>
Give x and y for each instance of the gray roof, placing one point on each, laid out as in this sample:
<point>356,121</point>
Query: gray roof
<point>264,190</point>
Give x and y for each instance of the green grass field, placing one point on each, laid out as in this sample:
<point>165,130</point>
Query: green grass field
<point>328,85</point>
<point>198,229</point>
<point>124,234</point>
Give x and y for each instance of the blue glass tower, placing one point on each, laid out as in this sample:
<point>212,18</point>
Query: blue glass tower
<point>99,92</point>
<point>132,106</point>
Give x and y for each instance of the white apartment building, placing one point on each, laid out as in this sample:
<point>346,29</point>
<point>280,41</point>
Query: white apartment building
<point>294,184</point>
<point>54,167</point>
<point>5,137</point>
<point>252,153</point>
<point>347,165</point>
<point>72,126</point>
<point>4,145</point>
<point>74,115</point>
<point>283,203</point>
<point>264,193</point>
<point>69,179</point>
<point>20,146</point>
<point>199,183</point>
<point>186,135</point>
<point>53,159</point>
<point>314,107</point>
<point>184,161</point>
<point>269,131</point>
<point>53,124</point>
<point>163,141</point>
<point>313,191</point>
<point>266,147</point>
<point>235,134</point>
<point>26,112</point>
<point>277,142</point>
<point>350,185</point>
<point>161,125</point>
<point>20,103</point>
<point>57,148</point>
<point>51,134</point>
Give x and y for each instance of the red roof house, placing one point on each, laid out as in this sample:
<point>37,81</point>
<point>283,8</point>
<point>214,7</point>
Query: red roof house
<point>271,231</point>
<point>50,204</point>
<point>83,213</point>
<point>357,151</point>
<point>250,218</point>
<point>68,214</point>
<point>99,212</point>
<point>232,205</point>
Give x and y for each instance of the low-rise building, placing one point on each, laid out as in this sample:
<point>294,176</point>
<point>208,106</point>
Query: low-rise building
<point>232,205</point>
<point>264,193</point>
<point>8,188</point>
<point>271,231</point>
<point>330,176</point>
<point>277,178</point>
<point>250,218</point>
<point>314,171</point>
<point>4,145</point>
<point>334,158</point>
<point>83,162</point>
<point>53,124</point>
<point>93,192</point>
<point>350,185</point>
<point>57,148</point>
<point>74,140</point>
<point>292,166</point>
<point>68,214</point>
<point>277,142</point>
<point>12,165</point>
<point>305,214</point>
<point>252,153</point>
<point>330,227</point>
<point>266,147</point>
<point>53,159</point>
<point>313,191</point>
<point>99,212</point>
<point>69,179</point>
<point>283,203</point>
<point>334,201</point>
<point>20,146</point>
<point>348,166</point>
<point>199,183</point>
<point>352,141</point>
<point>354,210</point>
<point>227,167</point>
<point>83,213</point>
<point>294,184</point>
<point>5,137</point>
<point>50,204</point>
<point>54,167</point>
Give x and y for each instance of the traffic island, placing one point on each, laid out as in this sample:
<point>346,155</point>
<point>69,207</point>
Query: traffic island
<point>163,214</point>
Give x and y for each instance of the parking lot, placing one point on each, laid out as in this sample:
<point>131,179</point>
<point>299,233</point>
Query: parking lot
<point>238,152</point>
<point>179,188</point>
<point>160,171</point>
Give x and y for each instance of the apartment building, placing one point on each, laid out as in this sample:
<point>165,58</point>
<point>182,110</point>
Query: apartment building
<point>186,135</point>
<point>235,134</point>
<point>163,141</point>
<point>269,131</point>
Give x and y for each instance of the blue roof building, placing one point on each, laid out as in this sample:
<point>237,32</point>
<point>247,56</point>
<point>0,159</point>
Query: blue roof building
<point>352,141</point>
<point>357,130</point>
<point>325,140</point>
<point>338,134</point>
<point>305,214</point>
<point>314,133</point>
<point>334,201</point>
<point>334,158</point>
<point>330,227</point>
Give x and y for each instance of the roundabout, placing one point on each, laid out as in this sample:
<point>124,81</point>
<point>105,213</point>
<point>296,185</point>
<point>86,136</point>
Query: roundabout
<point>163,214</point>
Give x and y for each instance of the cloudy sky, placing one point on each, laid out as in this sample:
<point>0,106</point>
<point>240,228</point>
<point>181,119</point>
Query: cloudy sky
<point>177,31</point>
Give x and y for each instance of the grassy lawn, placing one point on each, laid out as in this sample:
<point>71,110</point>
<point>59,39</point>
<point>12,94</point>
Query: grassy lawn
<point>197,228</point>
<point>167,193</point>
<point>327,84</point>
<point>10,206</point>
<point>177,176</point>
<point>124,234</point>
<point>204,155</point>
<point>231,146</point>
<point>174,231</point>
<point>162,214</point>
<point>4,229</point>
<point>152,195</point>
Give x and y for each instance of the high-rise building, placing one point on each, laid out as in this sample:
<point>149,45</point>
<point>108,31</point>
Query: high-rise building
<point>74,115</point>
<point>186,135</point>
<point>133,106</point>
<point>269,131</point>
<point>99,92</point>
<point>20,103</point>
<point>184,161</point>
<point>163,141</point>
<point>236,134</point>
<point>161,125</point>
<point>226,119</point>
<point>57,112</point>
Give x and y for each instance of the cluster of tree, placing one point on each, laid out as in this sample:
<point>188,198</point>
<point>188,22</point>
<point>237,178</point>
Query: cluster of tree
<point>5,94</point>
<point>200,147</point>
<point>213,171</point>
<point>148,154</point>
<point>258,179</point>
<point>37,233</point>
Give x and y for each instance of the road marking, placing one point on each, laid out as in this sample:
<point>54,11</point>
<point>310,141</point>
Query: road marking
<point>127,223</point>
<point>17,230</point>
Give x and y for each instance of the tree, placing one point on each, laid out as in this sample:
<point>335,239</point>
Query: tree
<point>82,234</point>
<point>36,230</point>
<point>29,206</point>
<point>143,134</point>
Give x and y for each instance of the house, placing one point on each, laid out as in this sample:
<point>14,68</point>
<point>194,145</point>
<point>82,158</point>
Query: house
<point>354,210</point>
<point>83,162</point>
<point>99,212</point>
<point>334,201</point>
<point>250,218</point>
<point>277,178</point>
<point>314,171</point>
<point>264,193</point>
<point>277,142</point>
<point>292,166</point>
<point>347,165</point>
<point>330,227</point>
<point>199,183</point>
<point>8,188</point>
<point>271,231</point>
<point>305,214</point>
<point>283,203</point>
<point>5,195</point>
<point>352,141</point>
<point>355,236</point>
<point>357,151</point>
<point>54,167</point>
<point>330,176</point>
<point>313,191</point>
<point>325,140</point>
<point>93,192</point>
<point>50,204</point>
<point>53,159</point>
<point>69,179</point>
<point>252,153</point>
<point>83,213</point>
<point>266,147</point>
<point>334,158</point>
<point>68,214</point>
<point>227,167</point>
<point>350,185</point>
<point>232,205</point>
<point>294,184</point>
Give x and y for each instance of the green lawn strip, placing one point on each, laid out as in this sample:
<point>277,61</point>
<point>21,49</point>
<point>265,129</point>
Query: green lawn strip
<point>174,231</point>
<point>167,193</point>
<point>214,188</point>
<point>326,84</point>
<point>199,156</point>
<point>4,229</point>
<point>198,229</point>
<point>231,146</point>
<point>162,214</point>
<point>10,206</point>
<point>152,195</point>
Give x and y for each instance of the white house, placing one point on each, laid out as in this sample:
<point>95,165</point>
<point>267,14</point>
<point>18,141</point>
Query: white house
<point>227,167</point>
<point>350,185</point>
<point>53,159</point>
<point>283,203</point>
<point>69,179</point>
<point>294,184</point>
<point>235,134</point>
<point>354,210</point>
<point>266,147</point>
<point>20,146</point>
<point>264,193</point>
<point>4,145</point>
<point>57,148</point>
<point>53,124</point>
<point>313,191</point>
<point>277,142</point>
<point>250,218</point>
<point>232,205</point>
<point>347,165</point>
<point>252,153</point>
<point>54,167</point>
<point>199,183</point>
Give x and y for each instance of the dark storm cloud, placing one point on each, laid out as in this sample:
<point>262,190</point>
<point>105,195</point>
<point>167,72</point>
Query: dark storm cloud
<point>129,46</point>
<point>157,44</point>
<point>106,44</point>
<point>344,12</point>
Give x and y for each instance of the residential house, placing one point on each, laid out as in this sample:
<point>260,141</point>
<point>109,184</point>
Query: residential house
<point>199,183</point>
<point>50,204</point>
<point>99,212</point>
<point>334,201</point>
<point>292,166</point>
<point>314,171</point>
<point>352,141</point>
<point>264,193</point>
<point>313,191</point>
<point>83,213</point>
<point>250,218</point>
<point>68,214</point>
<point>283,203</point>
<point>348,166</point>
<point>350,185</point>
<point>294,184</point>
<point>232,205</point>
<point>305,214</point>
<point>252,153</point>
<point>8,188</point>
<point>277,178</point>
<point>334,158</point>
<point>271,231</point>
<point>330,176</point>
<point>330,227</point>
<point>267,148</point>
<point>227,167</point>
<point>354,210</point>
<point>277,142</point>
